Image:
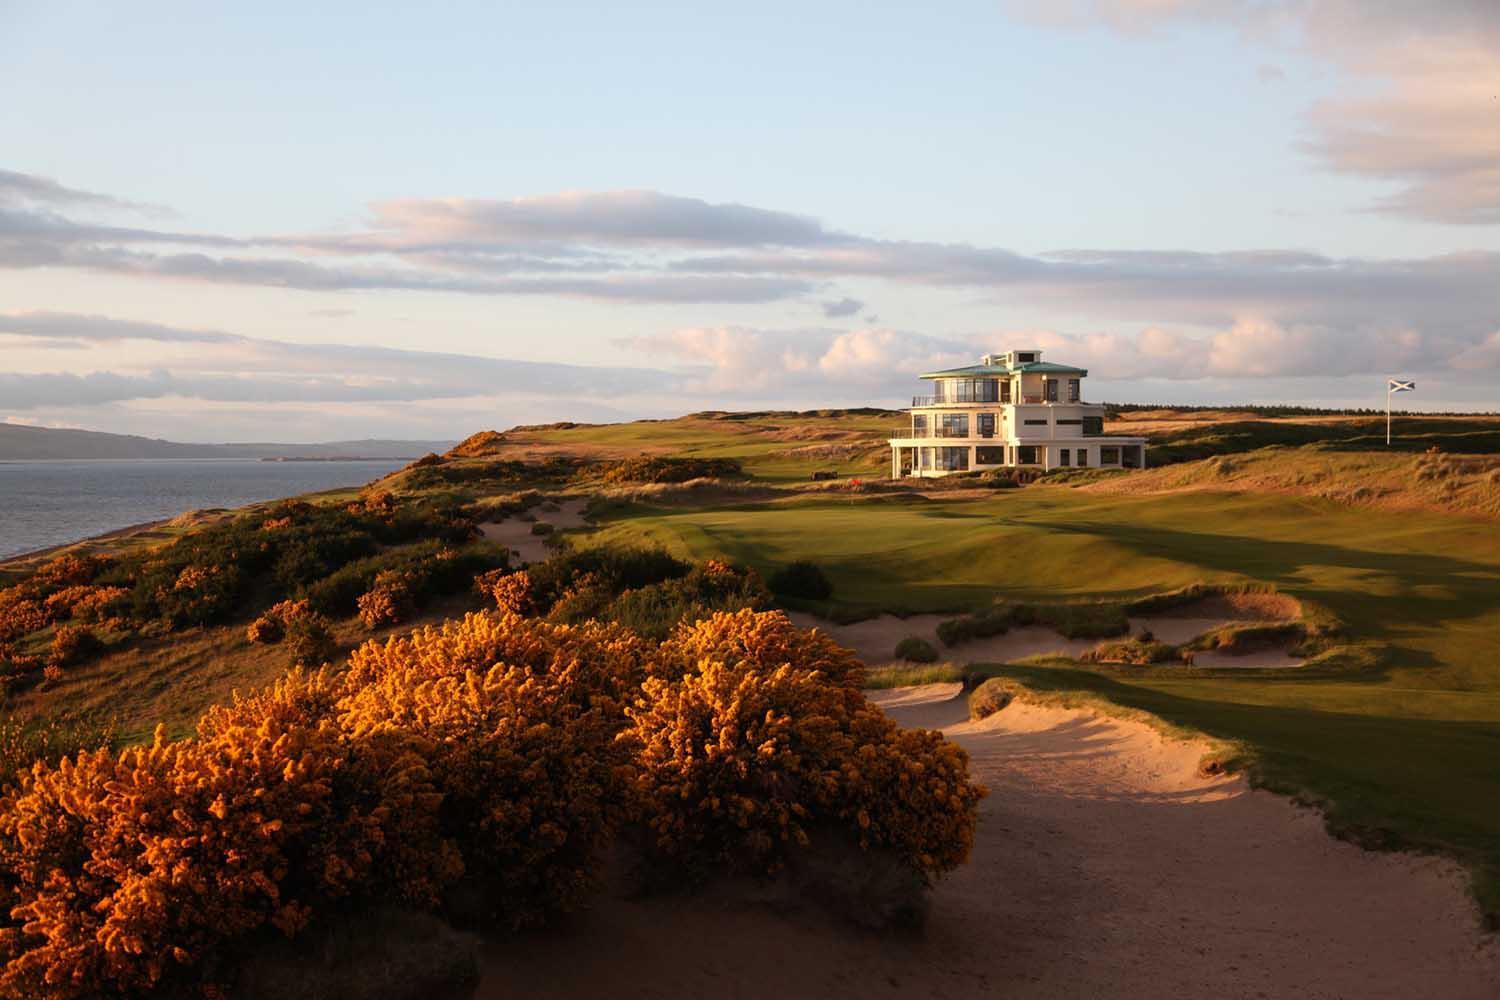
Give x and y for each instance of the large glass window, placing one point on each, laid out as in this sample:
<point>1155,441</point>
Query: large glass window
<point>1073,394</point>
<point>1093,425</point>
<point>989,456</point>
<point>986,425</point>
<point>1026,455</point>
<point>955,425</point>
<point>1109,456</point>
<point>1065,457</point>
<point>969,390</point>
<point>1050,387</point>
<point>1082,457</point>
<point>1005,391</point>
<point>919,425</point>
<point>950,459</point>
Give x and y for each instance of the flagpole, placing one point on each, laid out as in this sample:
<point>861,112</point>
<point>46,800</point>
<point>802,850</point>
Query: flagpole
<point>1387,412</point>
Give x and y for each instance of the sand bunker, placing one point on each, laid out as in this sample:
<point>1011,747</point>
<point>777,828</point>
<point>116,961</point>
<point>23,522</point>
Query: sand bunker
<point>874,640</point>
<point>515,533</point>
<point>1104,866</point>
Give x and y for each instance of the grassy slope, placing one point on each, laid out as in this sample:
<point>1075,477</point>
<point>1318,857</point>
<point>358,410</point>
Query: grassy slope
<point>1414,751</point>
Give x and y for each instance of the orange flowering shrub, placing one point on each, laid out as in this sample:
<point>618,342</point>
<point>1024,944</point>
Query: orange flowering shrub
<point>763,639</point>
<point>20,615</point>
<point>518,719</point>
<point>102,604</point>
<point>309,643</point>
<point>121,869</point>
<point>266,630</point>
<point>389,601</point>
<point>72,644</point>
<point>60,604</point>
<point>738,765</point>
<point>495,755</point>
<point>511,591</point>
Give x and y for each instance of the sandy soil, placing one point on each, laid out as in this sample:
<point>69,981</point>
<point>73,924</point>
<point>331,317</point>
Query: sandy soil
<point>516,533</point>
<point>1104,866</point>
<point>874,640</point>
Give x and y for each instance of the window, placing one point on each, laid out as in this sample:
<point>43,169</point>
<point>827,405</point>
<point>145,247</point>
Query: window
<point>1109,456</point>
<point>955,425</point>
<point>1082,458</point>
<point>989,456</point>
<point>1068,423</point>
<point>986,425</point>
<point>1093,425</point>
<point>1025,357</point>
<point>950,459</point>
<point>1050,387</point>
<point>1005,391</point>
<point>1066,457</point>
<point>1073,396</point>
<point>1036,423</point>
<point>919,425</point>
<point>969,390</point>
<point>1026,455</point>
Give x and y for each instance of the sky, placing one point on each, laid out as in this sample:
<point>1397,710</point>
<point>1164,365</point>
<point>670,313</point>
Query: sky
<point>303,222</point>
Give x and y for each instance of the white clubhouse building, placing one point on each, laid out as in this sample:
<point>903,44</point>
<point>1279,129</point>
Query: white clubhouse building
<point>1011,410</point>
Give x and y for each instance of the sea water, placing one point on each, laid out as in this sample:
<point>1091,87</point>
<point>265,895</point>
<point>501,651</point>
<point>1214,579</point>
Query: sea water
<point>53,503</point>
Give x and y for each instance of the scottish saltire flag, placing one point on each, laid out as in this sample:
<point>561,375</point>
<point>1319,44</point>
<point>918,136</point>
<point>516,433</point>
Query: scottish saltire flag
<point>1399,385</point>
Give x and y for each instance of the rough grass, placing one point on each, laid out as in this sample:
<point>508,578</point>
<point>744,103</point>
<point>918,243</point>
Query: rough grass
<point>1459,484</point>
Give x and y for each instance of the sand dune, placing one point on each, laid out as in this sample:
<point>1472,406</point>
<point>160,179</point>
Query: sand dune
<point>1104,866</point>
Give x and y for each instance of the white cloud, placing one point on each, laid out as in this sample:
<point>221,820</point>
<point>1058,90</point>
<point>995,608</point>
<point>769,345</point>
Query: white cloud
<point>1418,107</point>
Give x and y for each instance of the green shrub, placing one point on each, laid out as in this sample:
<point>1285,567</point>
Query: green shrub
<point>802,580</point>
<point>542,528</point>
<point>915,649</point>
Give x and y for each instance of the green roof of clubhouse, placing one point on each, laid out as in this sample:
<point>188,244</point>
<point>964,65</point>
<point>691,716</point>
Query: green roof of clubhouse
<point>1044,367</point>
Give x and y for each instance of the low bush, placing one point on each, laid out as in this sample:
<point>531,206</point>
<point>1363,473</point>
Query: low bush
<point>71,645</point>
<point>990,697</point>
<point>666,470</point>
<point>542,528</point>
<point>480,767</point>
<point>739,765</point>
<point>1140,652</point>
<point>1074,621</point>
<point>915,649</point>
<point>802,580</point>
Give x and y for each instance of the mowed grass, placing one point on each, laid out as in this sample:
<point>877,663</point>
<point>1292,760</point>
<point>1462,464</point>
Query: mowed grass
<point>1408,755</point>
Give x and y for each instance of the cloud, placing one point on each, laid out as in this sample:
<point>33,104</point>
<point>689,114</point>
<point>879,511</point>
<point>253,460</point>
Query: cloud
<point>841,308</point>
<point>610,218</point>
<point>746,360</point>
<point>231,368</point>
<point>16,186</point>
<point>1420,80</point>
<point>643,248</point>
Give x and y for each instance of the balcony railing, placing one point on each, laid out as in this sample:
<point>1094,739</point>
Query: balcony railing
<point>907,433</point>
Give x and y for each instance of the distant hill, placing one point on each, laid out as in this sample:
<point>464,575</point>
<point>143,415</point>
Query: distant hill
<point>22,443</point>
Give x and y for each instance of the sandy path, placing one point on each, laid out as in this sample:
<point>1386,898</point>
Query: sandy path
<point>1104,866</point>
<point>516,533</point>
<point>875,640</point>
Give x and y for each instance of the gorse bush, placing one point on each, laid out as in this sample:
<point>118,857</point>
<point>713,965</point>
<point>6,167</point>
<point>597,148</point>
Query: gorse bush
<point>481,768</point>
<point>329,554</point>
<point>665,470</point>
<point>915,649</point>
<point>742,760</point>
<point>803,580</point>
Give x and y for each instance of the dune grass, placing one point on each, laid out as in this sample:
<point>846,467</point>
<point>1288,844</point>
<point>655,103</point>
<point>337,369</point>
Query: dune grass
<point>1405,750</point>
